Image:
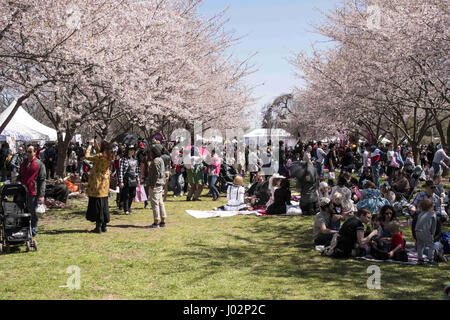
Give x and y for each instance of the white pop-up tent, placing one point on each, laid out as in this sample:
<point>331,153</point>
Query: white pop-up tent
<point>23,127</point>
<point>260,135</point>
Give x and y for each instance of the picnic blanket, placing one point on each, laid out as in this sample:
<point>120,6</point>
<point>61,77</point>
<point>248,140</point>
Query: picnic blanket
<point>219,214</point>
<point>412,257</point>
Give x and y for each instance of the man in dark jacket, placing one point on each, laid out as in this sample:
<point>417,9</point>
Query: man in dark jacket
<point>308,186</point>
<point>32,175</point>
<point>51,156</point>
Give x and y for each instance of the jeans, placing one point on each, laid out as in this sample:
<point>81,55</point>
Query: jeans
<point>212,187</point>
<point>178,186</point>
<point>376,174</point>
<point>437,168</point>
<point>319,167</point>
<point>31,205</point>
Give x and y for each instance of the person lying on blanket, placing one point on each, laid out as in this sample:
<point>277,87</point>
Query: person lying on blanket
<point>235,196</point>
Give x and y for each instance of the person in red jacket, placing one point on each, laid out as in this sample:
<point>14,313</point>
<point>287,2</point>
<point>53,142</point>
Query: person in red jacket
<point>32,175</point>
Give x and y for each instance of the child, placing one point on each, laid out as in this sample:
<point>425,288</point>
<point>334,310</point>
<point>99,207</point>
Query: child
<point>397,250</point>
<point>335,223</point>
<point>235,196</point>
<point>377,249</point>
<point>425,230</point>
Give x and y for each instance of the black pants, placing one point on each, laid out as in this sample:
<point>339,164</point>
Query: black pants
<point>309,208</point>
<point>50,168</point>
<point>127,196</point>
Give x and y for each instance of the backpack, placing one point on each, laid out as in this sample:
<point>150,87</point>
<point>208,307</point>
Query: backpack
<point>7,164</point>
<point>445,239</point>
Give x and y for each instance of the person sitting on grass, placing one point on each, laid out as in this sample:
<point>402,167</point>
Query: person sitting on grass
<point>322,232</point>
<point>371,198</point>
<point>337,212</point>
<point>235,196</point>
<point>351,241</point>
<point>397,249</point>
<point>387,216</point>
<point>282,198</point>
<point>324,190</point>
<point>258,194</point>
<point>341,187</point>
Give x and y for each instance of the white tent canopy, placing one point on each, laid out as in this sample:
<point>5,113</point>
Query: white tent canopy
<point>259,135</point>
<point>23,127</point>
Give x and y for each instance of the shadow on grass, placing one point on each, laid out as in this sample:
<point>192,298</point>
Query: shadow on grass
<point>284,250</point>
<point>127,226</point>
<point>57,232</point>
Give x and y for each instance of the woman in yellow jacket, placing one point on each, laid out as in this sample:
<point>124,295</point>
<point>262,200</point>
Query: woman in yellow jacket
<point>98,185</point>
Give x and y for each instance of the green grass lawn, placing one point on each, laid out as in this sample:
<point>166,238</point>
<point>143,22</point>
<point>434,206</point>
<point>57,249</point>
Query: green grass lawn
<point>241,257</point>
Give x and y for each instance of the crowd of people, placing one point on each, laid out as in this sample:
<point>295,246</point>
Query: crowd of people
<point>342,205</point>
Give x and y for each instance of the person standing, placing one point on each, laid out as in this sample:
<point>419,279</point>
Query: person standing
<point>320,159</point>
<point>16,163</point>
<point>213,173</point>
<point>155,173</point>
<point>128,178</point>
<point>4,153</point>
<point>439,157</point>
<point>308,185</point>
<point>98,185</point>
<point>50,161</point>
<point>331,164</point>
<point>375,158</point>
<point>165,155</point>
<point>32,175</point>
<point>425,229</point>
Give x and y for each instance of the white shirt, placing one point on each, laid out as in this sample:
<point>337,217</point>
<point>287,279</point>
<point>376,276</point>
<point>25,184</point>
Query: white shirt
<point>320,155</point>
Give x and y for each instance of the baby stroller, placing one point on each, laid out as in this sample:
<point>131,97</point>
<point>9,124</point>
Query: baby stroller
<point>15,220</point>
<point>226,177</point>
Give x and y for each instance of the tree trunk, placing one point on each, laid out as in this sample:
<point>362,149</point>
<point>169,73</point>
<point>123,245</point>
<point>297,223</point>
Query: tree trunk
<point>63,145</point>
<point>415,150</point>
<point>448,136</point>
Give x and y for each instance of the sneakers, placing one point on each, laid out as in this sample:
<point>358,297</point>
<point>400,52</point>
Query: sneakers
<point>104,228</point>
<point>127,213</point>
<point>147,207</point>
<point>162,225</point>
<point>154,226</point>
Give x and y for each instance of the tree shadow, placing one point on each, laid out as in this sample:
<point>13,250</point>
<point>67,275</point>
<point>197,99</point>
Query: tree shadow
<point>127,226</point>
<point>57,232</point>
<point>261,246</point>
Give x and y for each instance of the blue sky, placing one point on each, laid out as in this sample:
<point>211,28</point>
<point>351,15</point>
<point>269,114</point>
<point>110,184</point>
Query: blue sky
<point>274,29</point>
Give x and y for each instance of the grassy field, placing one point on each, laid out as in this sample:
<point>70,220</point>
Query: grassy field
<point>224,258</point>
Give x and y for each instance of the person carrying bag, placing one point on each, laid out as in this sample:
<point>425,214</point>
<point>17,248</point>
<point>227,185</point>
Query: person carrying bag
<point>128,178</point>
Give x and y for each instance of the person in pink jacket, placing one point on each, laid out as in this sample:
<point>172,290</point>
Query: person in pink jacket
<point>213,172</point>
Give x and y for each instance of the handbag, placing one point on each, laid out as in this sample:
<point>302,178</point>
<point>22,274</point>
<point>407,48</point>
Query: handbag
<point>141,196</point>
<point>113,183</point>
<point>394,163</point>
